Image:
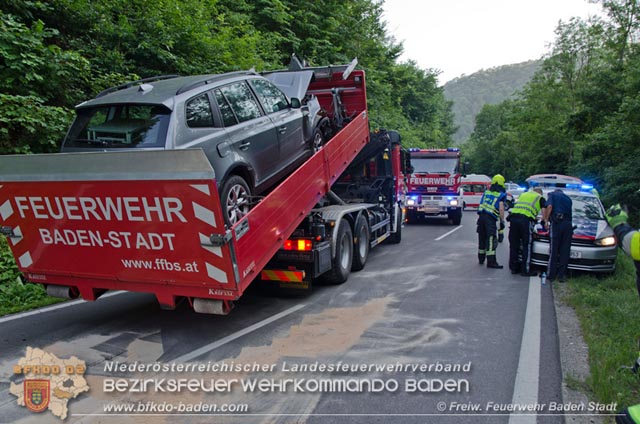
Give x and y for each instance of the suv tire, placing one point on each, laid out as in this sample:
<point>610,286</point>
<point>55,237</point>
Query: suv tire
<point>317,141</point>
<point>235,199</point>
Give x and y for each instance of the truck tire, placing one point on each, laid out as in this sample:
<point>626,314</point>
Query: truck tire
<point>456,218</point>
<point>235,199</point>
<point>396,237</point>
<point>341,262</point>
<point>412,217</point>
<point>361,243</point>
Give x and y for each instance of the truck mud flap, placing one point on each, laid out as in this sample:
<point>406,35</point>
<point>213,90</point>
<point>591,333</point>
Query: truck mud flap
<point>147,221</point>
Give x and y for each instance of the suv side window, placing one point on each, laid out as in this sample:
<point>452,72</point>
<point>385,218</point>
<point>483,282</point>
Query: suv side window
<point>242,102</point>
<point>199,113</point>
<point>271,97</point>
<point>228,117</point>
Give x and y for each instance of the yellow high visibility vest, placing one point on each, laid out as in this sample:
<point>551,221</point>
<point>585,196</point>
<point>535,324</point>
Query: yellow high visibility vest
<point>528,204</point>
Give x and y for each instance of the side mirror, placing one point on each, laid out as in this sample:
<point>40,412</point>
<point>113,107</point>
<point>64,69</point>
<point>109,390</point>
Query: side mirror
<point>295,103</point>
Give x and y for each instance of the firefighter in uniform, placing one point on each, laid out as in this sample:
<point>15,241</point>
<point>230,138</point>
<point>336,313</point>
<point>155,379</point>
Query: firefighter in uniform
<point>558,215</point>
<point>522,218</point>
<point>490,212</point>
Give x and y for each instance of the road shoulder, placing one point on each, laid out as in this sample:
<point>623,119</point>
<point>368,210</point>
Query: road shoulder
<point>574,357</point>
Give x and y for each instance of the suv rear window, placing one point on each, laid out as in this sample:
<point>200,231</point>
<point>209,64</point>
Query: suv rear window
<point>121,125</point>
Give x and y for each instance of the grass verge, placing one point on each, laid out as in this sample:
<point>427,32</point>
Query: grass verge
<point>14,295</point>
<point>607,308</point>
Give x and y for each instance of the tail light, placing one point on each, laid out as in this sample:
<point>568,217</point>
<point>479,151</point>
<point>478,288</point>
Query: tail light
<point>300,245</point>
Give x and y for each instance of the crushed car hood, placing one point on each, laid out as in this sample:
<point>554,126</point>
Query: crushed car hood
<point>591,228</point>
<point>585,228</point>
<point>293,84</point>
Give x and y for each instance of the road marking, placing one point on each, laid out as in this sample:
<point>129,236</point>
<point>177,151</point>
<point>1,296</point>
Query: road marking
<point>211,346</point>
<point>54,307</point>
<point>450,232</point>
<point>525,390</point>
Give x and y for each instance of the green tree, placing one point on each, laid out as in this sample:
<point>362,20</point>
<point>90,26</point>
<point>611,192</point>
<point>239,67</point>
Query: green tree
<point>32,93</point>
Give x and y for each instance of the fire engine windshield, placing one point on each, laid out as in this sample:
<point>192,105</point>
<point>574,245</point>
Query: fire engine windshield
<point>434,165</point>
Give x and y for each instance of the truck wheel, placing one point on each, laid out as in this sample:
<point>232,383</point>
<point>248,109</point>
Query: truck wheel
<point>456,218</point>
<point>341,263</point>
<point>411,217</point>
<point>317,140</point>
<point>235,199</point>
<point>396,237</point>
<point>361,244</point>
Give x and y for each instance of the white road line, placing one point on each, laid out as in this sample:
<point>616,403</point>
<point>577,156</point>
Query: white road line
<point>525,390</point>
<point>211,346</point>
<point>450,232</point>
<point>54,307</point>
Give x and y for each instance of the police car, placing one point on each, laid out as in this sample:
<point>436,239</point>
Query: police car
<point>514,189</point>
<point>593,247</point>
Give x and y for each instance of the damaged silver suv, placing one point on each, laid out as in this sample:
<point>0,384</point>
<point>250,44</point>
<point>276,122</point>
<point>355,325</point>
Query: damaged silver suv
<point>253,131</point>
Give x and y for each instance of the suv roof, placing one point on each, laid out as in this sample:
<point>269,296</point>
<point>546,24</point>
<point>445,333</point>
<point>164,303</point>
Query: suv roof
<point>158,90</point>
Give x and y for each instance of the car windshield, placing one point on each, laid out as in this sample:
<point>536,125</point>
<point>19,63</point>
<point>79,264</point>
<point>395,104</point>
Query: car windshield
<point>123,125</point>
<point>587,207</point>
<point>434,165</point>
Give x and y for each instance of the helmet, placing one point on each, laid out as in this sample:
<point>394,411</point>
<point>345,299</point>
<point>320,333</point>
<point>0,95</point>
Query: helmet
<point>498,179</point>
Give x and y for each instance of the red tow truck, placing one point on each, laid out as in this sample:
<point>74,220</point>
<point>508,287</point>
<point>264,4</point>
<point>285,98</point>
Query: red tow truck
<point>434,185</point>
<point>150,221</point>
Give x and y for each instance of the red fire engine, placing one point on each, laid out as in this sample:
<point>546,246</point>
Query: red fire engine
<point>434,185</point>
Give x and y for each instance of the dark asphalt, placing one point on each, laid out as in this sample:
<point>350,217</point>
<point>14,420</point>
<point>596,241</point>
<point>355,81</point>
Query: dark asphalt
<point>420,302</point>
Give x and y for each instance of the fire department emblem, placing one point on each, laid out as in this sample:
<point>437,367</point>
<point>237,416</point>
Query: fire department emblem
<point>36,395</point>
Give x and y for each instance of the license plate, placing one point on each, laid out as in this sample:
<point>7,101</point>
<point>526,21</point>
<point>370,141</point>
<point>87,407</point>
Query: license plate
<point>428,209</point>
<point>575,255</point>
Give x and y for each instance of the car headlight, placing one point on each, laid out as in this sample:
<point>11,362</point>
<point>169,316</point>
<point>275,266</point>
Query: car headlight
<point>453,202</point>
<point>411,202</point>
<point>606,241</point>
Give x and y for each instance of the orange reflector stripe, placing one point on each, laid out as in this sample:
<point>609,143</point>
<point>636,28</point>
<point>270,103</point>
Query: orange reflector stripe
<point>287,276</point>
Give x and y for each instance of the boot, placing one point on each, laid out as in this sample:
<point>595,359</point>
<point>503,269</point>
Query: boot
<point>492,263</point>
<point>481,258</point>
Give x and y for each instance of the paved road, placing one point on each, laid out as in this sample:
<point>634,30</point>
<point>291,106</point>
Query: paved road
<point>423,303</point>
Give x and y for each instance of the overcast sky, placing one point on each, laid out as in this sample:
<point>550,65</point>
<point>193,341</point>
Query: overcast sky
<point>464,36</point>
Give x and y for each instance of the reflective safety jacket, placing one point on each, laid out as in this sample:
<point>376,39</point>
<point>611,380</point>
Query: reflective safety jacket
<point>630,240</point>
<point>490,203</point>
<point>631,415</point>
<point>528,204</point>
